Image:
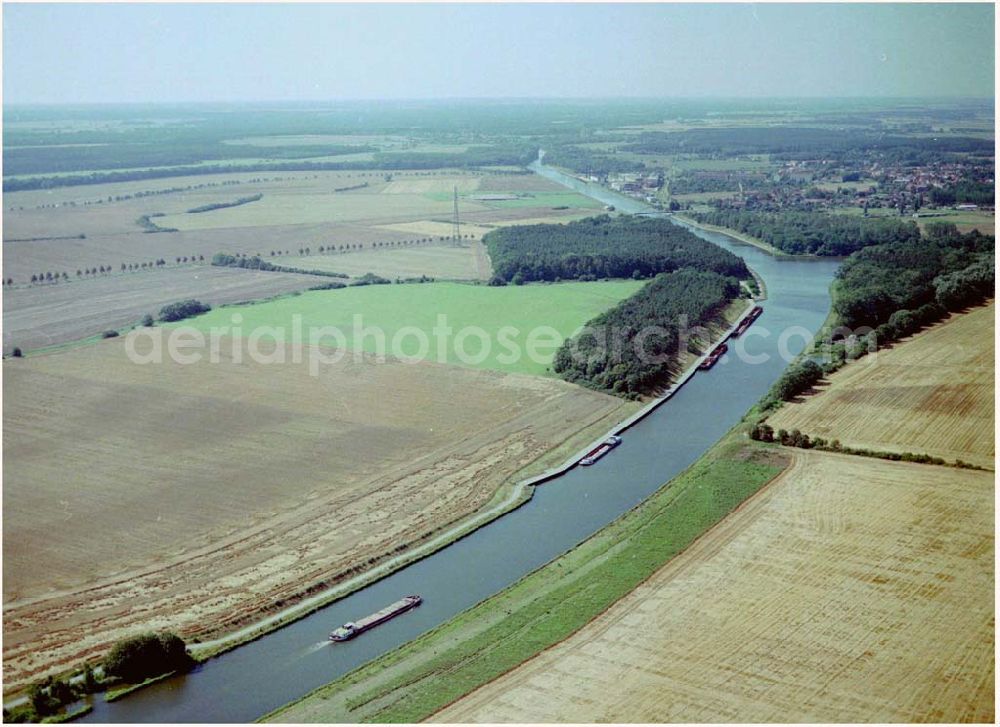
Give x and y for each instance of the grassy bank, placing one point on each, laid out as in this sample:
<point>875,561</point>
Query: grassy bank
<point>68,716</point>
<point>548,605</point>
<point>116,693</point>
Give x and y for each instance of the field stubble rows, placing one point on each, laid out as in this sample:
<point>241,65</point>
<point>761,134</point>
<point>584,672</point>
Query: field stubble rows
<point>847,590</point>
<point>376,222</point>
<point>932,393</point>
<point>203,495</point>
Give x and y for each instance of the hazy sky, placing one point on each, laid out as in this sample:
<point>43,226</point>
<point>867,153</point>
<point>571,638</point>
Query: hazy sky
<point>105,53</point>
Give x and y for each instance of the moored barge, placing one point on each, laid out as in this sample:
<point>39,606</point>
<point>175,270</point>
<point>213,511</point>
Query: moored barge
<point>599,451</point>
<point>748,321</point>
<point>713,357</point>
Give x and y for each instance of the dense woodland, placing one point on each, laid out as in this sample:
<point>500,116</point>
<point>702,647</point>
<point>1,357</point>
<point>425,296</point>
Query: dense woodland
<point>580,159</point>
<point>897,287</point>
<point>517,155</point>
<point>174,150</point>
<point>603,247</point>
<point>814,233</point>
<point>608,356</point>
<point>789,142</point>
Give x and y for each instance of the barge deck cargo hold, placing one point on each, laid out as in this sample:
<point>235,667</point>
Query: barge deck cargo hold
<point>713,357</point>
<point>354,628</point>
<point>602,449</point>
<point>748,321</point>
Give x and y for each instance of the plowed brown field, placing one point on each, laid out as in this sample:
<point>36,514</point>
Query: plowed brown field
<point>931,394</point>
<point>193,497</point>
<point>848,590</point>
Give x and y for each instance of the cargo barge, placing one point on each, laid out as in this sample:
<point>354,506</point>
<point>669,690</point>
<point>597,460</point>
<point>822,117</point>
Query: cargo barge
<point>748,321</point>
<point>354,628</point>
<point>600,450</point>
<point>713,357</point>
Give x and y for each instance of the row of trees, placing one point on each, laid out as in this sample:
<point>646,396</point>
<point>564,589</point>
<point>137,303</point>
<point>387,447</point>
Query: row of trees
<point>55,277</point>
<point>813,233</point>
<point>764,432</point>
<point>796,379</point>
<point>630,349</point>
<point>603,247</point>
<point>224,205</point>
<point>352,246</point>
<point>255,262</point>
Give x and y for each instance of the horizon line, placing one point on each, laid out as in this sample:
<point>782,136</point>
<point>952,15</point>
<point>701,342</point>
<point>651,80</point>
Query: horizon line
<point>459,99</point>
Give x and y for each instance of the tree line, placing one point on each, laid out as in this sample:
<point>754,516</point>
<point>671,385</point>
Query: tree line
<point>518,155</point>
<point>224,205</point>
<point>255,262</point>
<point>603,247</point>
<point>895,288</point>
<point>809,233</point>
<point>55,277</point>
<point>790,142</point>
<point>613,354</point>
<point>147,224</point>
<point>967,190</point>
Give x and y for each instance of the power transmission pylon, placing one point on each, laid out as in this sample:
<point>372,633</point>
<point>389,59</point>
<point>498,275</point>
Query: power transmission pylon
<point>456,233</point>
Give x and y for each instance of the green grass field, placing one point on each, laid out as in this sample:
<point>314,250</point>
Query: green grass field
<point>545,607</point>
<point>400,311</point>
<point>983,221</point>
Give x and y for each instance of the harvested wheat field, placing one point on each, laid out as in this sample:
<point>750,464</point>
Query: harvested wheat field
<point>468,261</point>
<point>70,228</point>
<point>932,393</point>
<point>195,496</point>
<point>438,228</point>
<point>847,590</point>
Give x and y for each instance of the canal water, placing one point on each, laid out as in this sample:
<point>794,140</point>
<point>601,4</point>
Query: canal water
<point>245,683</point>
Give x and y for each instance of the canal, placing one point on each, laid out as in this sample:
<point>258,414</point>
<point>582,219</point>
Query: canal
<point>243,684</point>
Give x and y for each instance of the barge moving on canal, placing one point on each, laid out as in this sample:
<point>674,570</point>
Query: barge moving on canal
<point>354,628</point>
<point>600,450</point>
